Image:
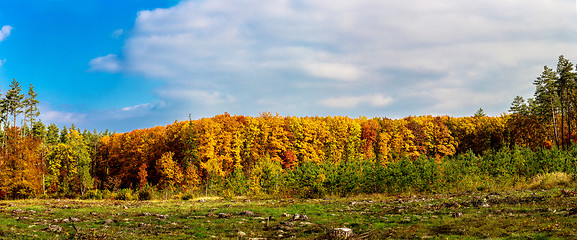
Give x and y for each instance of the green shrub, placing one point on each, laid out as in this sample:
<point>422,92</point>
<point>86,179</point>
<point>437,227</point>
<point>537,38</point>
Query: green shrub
<point>124,194</point>
<point>146,193</point>
<point>93,194</point>
<point>187,196</point>
<point>307,180</point>
<point>107,194</point>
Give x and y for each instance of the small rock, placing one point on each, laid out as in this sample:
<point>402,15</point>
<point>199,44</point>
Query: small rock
<point>201,200</point>
<point>224,215</point>
<point>66,220</point>
<point>161,216</point>
<point>145,214</point>
<point>23,218</point>
<point>241,234</point>
<point>142,225</point>
<point>53,228</point>
<point>300,217</point>
<point>457,214</point>
<point>18,211</point>
<point>286,223</point>
<point>306,223</point>
<point>109,221</point>
<point>286,215</point>
<point>246,213</point>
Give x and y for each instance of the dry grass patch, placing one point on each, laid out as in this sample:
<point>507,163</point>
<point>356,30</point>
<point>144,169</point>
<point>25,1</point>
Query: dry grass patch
<point>551,180</point>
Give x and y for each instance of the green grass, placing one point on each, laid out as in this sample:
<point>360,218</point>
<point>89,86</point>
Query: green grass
<point>512,214</point>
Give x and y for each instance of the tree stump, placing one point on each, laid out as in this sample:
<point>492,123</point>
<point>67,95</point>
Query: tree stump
<point>340,233</point>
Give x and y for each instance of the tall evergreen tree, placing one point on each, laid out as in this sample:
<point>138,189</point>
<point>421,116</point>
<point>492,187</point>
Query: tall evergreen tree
<point>31,111</point>
<point>480,113</point>
<point>555,100</point>
<point>564,86</point>
<point>547,104</point>
<point>519,106</point>
<point>39,130</point>
<point>64,135</point>
<point>52,135</point>
<point>13,101</point>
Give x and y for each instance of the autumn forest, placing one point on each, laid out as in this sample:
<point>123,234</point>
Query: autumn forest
<point>271,155</point>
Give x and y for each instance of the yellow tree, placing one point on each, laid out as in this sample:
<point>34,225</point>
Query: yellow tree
<point>249,137</point>
<point>210,162</point>
<point>338,137</point>
<point>61,168</point>
<point>82,159</point>
<point>169,171</point>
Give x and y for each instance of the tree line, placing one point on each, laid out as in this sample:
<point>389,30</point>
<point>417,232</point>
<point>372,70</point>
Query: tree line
<point>249,155</point>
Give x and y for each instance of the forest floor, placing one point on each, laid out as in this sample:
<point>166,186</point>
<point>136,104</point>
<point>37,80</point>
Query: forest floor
<point>515,214</point>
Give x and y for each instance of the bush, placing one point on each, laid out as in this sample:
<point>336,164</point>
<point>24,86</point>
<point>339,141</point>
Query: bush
<point>107,194</point>
<point>124,194</point>
<point>93,194</point>
<point>146,193</point>
<point>307,180</point>
<point>187,196</point>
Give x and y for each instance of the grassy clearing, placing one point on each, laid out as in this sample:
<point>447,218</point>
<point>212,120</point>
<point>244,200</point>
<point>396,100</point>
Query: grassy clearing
<point>514,214</point>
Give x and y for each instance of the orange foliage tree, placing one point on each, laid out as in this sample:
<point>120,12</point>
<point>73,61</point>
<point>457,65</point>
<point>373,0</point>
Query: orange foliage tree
<point>20,165</point>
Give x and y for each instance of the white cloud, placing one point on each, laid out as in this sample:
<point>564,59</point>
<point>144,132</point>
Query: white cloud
<point>198,96</point>
<point>344,72</point>
<point>62,118</point>
<point>117,33</point>
<point>108,63</point>
<point>376,100</point>
<point>438,56</point>
<point>139,107</point>
<point>5,32</point>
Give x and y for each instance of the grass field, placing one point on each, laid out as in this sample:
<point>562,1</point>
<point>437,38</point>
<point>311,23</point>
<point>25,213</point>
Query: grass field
<point>518,214</point>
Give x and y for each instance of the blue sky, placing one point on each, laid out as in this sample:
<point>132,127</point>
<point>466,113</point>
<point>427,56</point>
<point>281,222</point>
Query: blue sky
<point>123,65</point>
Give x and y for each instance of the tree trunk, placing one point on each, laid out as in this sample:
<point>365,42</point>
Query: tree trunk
<point>340,233</point>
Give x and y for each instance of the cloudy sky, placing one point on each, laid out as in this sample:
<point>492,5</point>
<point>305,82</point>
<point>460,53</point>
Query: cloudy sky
<point>122,65</point>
